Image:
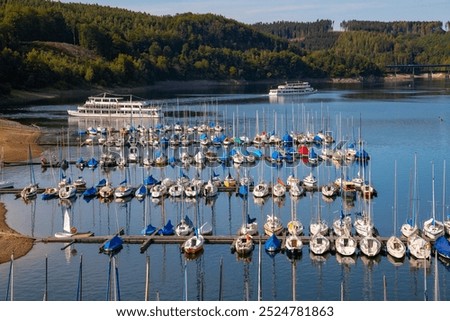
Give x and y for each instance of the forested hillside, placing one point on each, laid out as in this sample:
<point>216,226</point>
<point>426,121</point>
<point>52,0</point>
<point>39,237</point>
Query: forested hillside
<point>66,45</point>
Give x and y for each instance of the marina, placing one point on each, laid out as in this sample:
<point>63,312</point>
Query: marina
<point>351,140</point>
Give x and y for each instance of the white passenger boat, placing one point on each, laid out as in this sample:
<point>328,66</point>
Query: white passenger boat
<point>292,88</point>
<point>116,106</point>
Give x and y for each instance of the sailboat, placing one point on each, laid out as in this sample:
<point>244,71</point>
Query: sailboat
<point>345,244</point>
<point>67,191</point>
<point>167,229</point>
<point>244,244</point>
<point>343,224</point>
<point>418,247</point>
<point>319,244</point>
<point>442,247</point>
<point>370,245</point>
<point>30,191</point>
<point>249,225</point>
<point>261,189</point>
<point>433,228</point>
<point>194,244</point>
<point>319,226</point>
<point>294,226</point>
<point>279,188</point>
<point>123,190</point>
<point>184,227</point>
<point>273,244</point>
<point>273,223</point>
<point>106,191</point>
<point>394,246</point>
<point>112,246</point>
<point>409,228</point>
<point>68,231</point>
<point>293,243</point>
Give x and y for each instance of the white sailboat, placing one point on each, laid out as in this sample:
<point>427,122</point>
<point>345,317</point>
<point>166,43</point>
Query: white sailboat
<point>244,243</point>
<point>67,231</point>
<point>194,244</point>
<point>409,228</point>
<point>319,226</point>
<point>346,244</point>
<point>432,228</point>
<point>319,244</point>
<point>394,246</point>
<point>369,244</point>
<point>261,189</point>
<point>30,191</point>
<point>418,247</point>
<point>273,223</point>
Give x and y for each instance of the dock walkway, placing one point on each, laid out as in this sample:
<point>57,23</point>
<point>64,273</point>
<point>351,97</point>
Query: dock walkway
<point>146,241</point>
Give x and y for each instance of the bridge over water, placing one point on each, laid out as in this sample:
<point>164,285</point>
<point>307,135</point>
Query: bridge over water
<point>419,69</point>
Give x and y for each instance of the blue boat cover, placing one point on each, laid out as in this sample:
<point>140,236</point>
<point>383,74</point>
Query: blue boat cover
<point>442,246</point>
<point>149,230</point>
<point>312,153</point>
<point>287,139</point>
<point>90,192</point>
<point>167,229</point>
<point>243,190</point>
<point>188,221</point>
<point>276,155</point>
<point>92,162</point>
<point>272,244</point>
<point>101,183</point>
<point>113,244</point>
<point>150,180</point>
<point>258,153</point>
<point>250,220</point>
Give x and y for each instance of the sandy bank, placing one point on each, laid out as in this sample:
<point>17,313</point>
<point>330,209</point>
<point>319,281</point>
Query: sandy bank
<point>14,141</point>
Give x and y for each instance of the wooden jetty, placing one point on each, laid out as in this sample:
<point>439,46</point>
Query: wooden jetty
<point>147,240</point>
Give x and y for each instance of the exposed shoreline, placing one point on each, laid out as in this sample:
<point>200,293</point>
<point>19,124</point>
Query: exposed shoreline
<point>14,141</point>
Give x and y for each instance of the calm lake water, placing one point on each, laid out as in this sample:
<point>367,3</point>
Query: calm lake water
<point>395,122</point>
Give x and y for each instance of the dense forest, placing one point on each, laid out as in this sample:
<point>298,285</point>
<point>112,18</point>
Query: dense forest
<point>65,45</point>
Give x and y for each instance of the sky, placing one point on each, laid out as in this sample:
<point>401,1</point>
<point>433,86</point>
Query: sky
<point>252,11</point>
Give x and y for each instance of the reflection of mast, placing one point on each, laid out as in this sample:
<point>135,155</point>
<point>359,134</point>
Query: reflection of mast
<point>200,281</point>
<point>246,282</point>
<point>294,280</point>
<point>10,287</point>
<point>436,278</point>
<point>46,279</point>
<point>80,281</point>
<point>259,272</point>
<point>113,291</point>
<point>147,278</point>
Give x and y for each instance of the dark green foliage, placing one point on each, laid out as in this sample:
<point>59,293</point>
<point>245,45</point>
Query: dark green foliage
<point>45,43</point>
